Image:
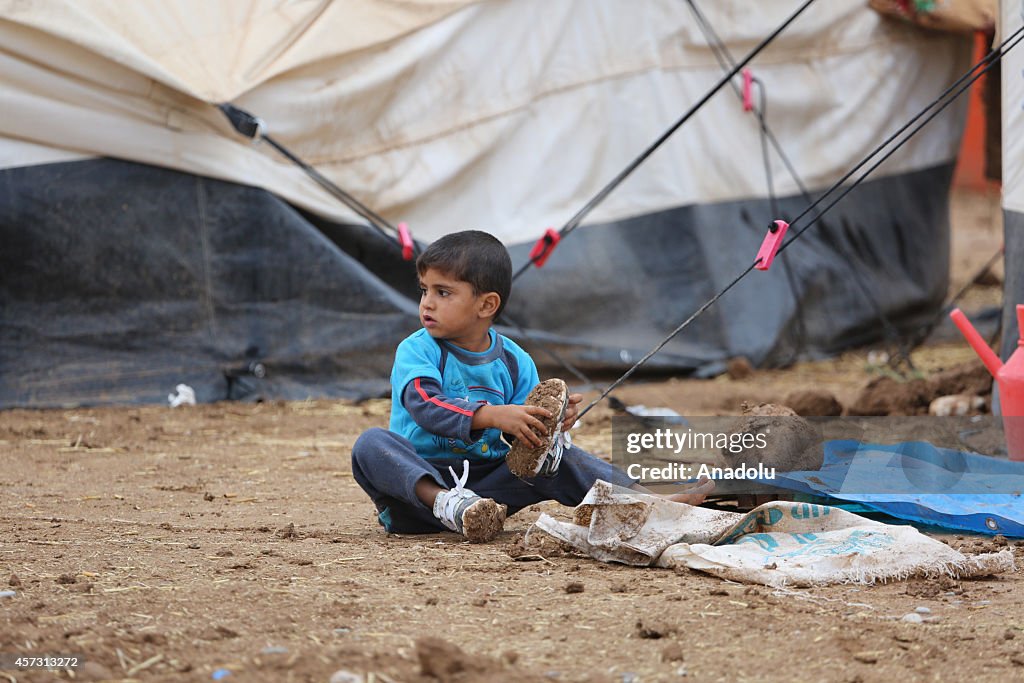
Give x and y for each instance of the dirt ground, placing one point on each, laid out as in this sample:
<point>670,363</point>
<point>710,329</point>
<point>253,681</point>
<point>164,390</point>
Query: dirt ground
<point>230,542</point>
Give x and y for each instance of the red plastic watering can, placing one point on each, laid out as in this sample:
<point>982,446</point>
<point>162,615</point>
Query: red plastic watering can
<point>1009,376</point>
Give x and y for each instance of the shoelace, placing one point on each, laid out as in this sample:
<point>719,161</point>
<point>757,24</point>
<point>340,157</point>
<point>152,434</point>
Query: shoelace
<point>460,482</point>
<point>562,441</point>
<point>549,465</point>
<point>452,498</point>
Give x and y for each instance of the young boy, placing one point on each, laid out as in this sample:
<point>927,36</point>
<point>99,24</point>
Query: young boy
<point>457,387</point>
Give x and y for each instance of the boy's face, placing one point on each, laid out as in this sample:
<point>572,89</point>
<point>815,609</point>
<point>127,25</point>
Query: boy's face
<point>450,310</point>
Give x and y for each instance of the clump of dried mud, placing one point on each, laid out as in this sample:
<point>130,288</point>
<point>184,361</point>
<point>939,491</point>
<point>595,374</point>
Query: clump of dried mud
<point>791,442</point>
<point>537,545</point>
<point>814,403</point>
<point>445,662</point>
<point>888,396</point>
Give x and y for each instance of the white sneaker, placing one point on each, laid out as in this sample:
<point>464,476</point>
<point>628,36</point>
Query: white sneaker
<point>553,458</point>
<point>462,511</point>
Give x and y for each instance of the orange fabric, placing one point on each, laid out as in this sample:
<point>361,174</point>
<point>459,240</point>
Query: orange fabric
<point>970,165</point>
<point>437,402</point>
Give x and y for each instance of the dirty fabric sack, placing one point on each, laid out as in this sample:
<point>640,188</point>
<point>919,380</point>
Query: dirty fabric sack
<point>778,543</point>
<point>616,524</point>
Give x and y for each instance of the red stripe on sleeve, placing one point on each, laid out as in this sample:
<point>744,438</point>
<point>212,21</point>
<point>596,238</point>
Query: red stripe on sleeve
<point>437,402</point>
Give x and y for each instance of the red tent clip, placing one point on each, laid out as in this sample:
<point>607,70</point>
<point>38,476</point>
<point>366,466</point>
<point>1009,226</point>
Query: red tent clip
<point>771,244</point>
<point>405,239</point>
<point>544,246</point>
<point>748,90</point>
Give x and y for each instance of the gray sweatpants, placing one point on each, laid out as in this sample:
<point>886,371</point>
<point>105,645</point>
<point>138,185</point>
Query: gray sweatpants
<point>387,467</point>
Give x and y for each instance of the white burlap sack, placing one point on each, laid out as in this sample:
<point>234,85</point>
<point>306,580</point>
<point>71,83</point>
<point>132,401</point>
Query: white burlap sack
<point>635,528</point>
<point>776,544</point>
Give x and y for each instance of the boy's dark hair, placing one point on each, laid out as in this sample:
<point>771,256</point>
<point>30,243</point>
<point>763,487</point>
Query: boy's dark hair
<point>474,257</point>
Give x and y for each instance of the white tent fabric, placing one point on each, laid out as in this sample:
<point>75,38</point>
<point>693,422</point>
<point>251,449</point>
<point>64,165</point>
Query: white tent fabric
<point>493,114</point>
<point>1013,111</point>
<point>1013,177</point>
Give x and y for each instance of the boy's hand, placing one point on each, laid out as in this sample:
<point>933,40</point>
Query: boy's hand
<point>520,421</point>
<point>571,411</point>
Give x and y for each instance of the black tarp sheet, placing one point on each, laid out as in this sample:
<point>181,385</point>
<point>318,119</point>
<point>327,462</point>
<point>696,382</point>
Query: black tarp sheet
<point>119,281</point>
<point>618,289</point>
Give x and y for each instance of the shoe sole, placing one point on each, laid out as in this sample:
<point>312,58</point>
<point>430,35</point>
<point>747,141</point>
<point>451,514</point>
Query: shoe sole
<point>524,461</point>
<point>483,520</point>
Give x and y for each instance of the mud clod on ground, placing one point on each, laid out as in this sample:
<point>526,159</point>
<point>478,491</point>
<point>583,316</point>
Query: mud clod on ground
<point>652,628</point>
<point>889,396</point>
<point>443,661</point>
<point>814,403</point>
<point>791,443</point>
<point>739,368</point>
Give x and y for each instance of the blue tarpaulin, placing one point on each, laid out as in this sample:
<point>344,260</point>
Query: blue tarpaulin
<point>919,482</point>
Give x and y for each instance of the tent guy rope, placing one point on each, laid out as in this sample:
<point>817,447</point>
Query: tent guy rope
<point>252,127</point>
<point>727,61</point>
<point>929,112</point>
<point>603,193</point>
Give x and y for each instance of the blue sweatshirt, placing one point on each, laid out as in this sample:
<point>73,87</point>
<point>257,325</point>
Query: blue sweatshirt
<point>436,387</point>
